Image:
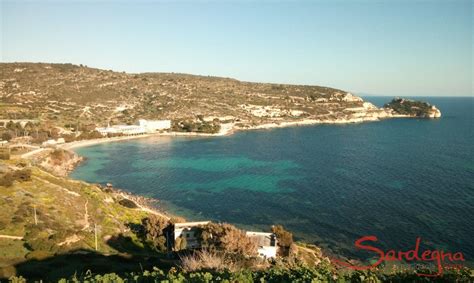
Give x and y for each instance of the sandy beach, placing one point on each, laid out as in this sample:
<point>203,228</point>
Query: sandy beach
<point>226,129</point>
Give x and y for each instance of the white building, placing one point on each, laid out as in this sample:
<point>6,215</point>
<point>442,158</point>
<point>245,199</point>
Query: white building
<point>154,125</point>
<point>143,127</point>
<point>122,129</point>
<point>49,143</point>
<point>187,230</point>
<point>266,243</point>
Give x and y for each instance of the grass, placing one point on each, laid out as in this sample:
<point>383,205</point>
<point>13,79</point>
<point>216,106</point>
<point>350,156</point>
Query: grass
<point>60,208</point>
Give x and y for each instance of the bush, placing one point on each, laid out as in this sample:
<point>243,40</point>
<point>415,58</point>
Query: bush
<point>127,203</point>
<point>204,260</point>
<point>7,136</point>
<point>4,153</point>
<point>227,238</point>
<point>7,179</point>
<point>285,239</point>
<point>22,175</point>
<point>155,229</point>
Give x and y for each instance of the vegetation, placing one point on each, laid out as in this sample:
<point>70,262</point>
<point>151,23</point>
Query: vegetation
<point>4,153</point>
<point>56,217</point>
<point>285,239</point>
<point>205,260</point>
<point>278,273</point>
<point>197,126</point>
<point>155,230</point>
<point>68,99</point>
<point>409,107</point>
<point>226,238</point>
<point>9,176</point>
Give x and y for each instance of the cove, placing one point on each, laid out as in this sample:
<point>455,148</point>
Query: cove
<point>397,179</point>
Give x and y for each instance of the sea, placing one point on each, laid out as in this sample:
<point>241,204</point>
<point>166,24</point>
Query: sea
<point>396,179</point>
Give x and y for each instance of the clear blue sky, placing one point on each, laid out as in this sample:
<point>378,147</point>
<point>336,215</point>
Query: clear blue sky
<point>378,47</point>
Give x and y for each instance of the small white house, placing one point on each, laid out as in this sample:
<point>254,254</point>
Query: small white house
<point>187,230</point>
<point>266,243</point>
<point>49,143</point>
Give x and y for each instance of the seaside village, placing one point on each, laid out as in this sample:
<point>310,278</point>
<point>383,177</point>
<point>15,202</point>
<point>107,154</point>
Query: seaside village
<point>143,127</point>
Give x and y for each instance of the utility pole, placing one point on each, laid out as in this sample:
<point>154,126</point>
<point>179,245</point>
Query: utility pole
<point>36,218</point>
<point>95,236</point>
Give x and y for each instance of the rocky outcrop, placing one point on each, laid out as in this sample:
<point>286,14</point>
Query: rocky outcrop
<point>400,107</point>
<point>433,112</point>
<point>60,162</point>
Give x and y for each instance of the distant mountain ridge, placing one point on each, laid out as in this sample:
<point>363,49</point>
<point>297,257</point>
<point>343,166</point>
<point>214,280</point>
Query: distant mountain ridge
<point>66,93</point>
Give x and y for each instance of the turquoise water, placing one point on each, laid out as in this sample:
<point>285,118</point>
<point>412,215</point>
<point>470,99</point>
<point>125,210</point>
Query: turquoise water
<point>397,179</point>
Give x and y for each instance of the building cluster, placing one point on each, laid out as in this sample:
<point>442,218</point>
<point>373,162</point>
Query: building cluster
<point>143,127</point>
<point>266,242</point>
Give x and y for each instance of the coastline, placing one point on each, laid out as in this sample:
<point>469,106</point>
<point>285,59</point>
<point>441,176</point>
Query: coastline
<point>144,203</point>
<point>230,128</point>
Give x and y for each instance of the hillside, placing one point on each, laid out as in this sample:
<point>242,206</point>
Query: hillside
<point>68,213</point>
<point>66,94</point>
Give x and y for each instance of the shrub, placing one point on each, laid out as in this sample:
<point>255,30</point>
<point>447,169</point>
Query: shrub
<point>285,239</point>
<point>204,259</point>
<point>4,153</point>
<point>127,203</point>
<point>155,229</point>
<point>7,136</point>
<point>22,175</point>
<point>227,238</point>
<point>7,179</point>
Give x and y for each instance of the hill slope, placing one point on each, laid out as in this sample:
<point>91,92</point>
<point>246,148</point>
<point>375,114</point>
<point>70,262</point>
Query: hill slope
<point>68,213</point>
<point>65,93</point>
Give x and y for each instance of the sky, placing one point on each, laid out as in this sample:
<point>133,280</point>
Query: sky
<point>396,47</point>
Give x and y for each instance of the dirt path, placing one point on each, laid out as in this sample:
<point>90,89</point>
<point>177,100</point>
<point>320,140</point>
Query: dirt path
<point>33,152</point>
<point>57,186</point>
<point>11,237</point>
<point>86,217</point>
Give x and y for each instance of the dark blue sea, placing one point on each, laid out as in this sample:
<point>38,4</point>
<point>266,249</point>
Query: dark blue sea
<point>397,179</point>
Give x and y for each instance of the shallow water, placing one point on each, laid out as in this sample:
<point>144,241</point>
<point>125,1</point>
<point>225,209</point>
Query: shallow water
<point>330,184</point>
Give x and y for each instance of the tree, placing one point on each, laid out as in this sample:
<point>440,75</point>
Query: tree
<point>155,229</point>
<point>227,238</point>
<point>22,175</point>
<point>180,243</point>
<point>284,238</point>
<point>7,136</point>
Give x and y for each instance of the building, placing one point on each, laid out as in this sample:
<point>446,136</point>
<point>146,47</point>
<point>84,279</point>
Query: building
<point>122,129</point>
<point>52,143</point>
<point>187,230</point>
<point>154,125</point>
<point>143,127</point>
<point>266,243</point>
